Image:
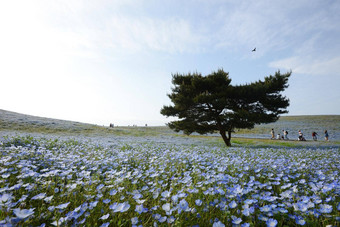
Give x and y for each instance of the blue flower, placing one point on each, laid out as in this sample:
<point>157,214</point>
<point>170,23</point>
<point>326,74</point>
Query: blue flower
<point>302,181</point>
<point>48,199</point>
<point>137,196</point>
<point>104,217</point>
<point>266,208</point>
<point>301,206</point>
<point>171,219</point>
<point>165,194</point>
<point>93,204</point>
<point>245,225</point>
<point>120,207</point>
<point>157,216</point>
<point>327,188</point>
<point>113,192</point>
<point>262,217</point>
<point>82,221</point>
<point>246,212</point>
<point>183,205</point>
<point>300,221</point>
<point>198,202</point>
<point>327,200</point>
<point>232,204</point>
<point>271,222</point>
<point>287,194</point>
<point>77,208</point>
<point>6,175</point>
<point>59,222</point>
<point>99,187</point>
<point>155,193</point>
<point>62,206</point>
<point>162,219</point>
<point>154,208</point>
<point>5,198</point>
<point>145,188</point>
<point>174,198</point>
<point>325,208</point>
<point>140,209</point>
<point>282,210</point>
<point>166,207</point>
<point>134,220</point>
<point>218,224</point>
<point>39,196</point>
<point>24,213</point>
<point>105,224</point>
<point>99,195</point>
<point>237,221</point>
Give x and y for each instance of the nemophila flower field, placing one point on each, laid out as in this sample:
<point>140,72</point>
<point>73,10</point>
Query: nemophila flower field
<point>51,182</point>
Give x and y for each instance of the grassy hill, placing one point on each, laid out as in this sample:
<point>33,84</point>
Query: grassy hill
<point>11,121</point>
<point>259,136</point>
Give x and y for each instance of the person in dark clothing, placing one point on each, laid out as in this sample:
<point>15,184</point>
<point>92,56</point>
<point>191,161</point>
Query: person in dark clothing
<point>314,135</point>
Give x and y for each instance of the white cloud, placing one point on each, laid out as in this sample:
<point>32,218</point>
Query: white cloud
<point>107,24</point>
<point>168,35</point>
<point>309,65</point>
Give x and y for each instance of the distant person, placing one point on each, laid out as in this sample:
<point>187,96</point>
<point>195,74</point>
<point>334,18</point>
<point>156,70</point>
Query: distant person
<point>278,136</point>
<point>273,134</point>
<point>285,133</point>
<point>301,138</point>
<point>326,135</point>
<point>314,135</point>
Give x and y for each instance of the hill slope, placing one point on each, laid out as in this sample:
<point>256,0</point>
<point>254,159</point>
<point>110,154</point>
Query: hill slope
<point>22,122</point>
<point>11,121</point>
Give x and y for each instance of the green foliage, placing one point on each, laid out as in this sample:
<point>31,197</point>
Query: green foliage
<point>205,104</point>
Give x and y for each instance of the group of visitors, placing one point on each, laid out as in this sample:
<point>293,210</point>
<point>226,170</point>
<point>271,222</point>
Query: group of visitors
<point>314,136</point>
<point>284,135</point>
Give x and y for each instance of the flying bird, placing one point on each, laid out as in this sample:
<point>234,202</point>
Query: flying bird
<point>254,49</point>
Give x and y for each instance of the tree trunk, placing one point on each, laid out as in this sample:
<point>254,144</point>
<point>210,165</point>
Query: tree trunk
<point>225,138</point>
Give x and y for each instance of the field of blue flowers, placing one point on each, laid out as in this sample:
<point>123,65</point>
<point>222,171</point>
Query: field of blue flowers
<point>68,182</point>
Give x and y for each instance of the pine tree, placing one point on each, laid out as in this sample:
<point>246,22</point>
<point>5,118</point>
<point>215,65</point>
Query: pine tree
<point>206,104</point>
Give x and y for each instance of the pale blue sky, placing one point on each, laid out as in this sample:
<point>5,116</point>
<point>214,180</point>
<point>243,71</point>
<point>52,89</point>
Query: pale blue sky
<point>111,61</point>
